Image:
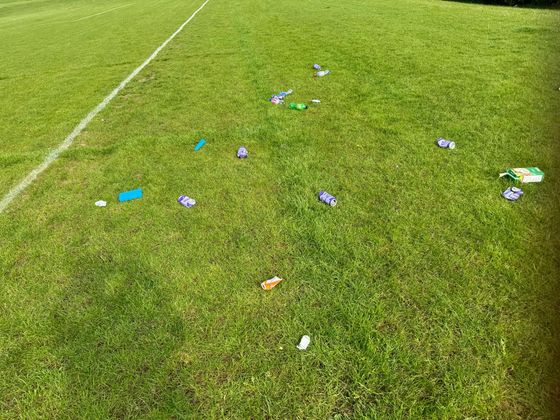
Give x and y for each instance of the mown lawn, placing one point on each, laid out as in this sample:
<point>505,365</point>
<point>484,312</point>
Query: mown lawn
<point>425,293</point>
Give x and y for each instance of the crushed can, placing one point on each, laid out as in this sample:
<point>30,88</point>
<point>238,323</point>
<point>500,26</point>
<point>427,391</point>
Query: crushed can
<point>445,144</point>
<point>186,201</point>
<point>326,198</point>
<point>512,193</point>
<point>242,153</point>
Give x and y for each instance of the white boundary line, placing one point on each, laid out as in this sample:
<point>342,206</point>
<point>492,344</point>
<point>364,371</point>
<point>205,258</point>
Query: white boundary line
<point>55,153</point>
<point>101,13</point>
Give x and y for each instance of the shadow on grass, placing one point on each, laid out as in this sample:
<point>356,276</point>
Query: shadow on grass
<point>116,333</point>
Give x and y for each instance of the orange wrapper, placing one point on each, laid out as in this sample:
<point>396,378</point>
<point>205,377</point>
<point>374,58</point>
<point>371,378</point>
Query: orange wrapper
<point>270,283</point>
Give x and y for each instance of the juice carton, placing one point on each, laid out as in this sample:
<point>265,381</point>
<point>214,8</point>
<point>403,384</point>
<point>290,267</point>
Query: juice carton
<point>524,175</point>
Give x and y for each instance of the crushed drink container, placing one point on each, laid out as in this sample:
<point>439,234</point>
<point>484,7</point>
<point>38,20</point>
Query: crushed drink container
<point>445,144</point>
<point>186,201</point>
<point>242,153</point>
<point>326,198</point>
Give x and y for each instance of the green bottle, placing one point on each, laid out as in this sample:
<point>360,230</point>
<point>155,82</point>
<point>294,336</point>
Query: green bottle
<point>293,105</point>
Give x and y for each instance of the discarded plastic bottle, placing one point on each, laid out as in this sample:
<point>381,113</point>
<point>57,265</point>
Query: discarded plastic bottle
<point>242,153</point>
<point>186,201</point>
<point>445,144</point>
<point>325,197</point>
<point>322,73</point>
<point>282,95</point>
<point>293,105</point>
<point>316,66</point>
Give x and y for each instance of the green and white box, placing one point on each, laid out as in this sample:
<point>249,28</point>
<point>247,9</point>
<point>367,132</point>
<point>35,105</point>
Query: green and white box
<point>524,175</point>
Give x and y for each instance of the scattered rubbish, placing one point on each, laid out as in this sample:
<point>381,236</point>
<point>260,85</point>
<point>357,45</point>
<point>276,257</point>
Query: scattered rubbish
<point>279,98</point>
<point>316,66</point>
<point>270,283</point>
<point>242,153</point>
<point>445,144</point>
<point>325,197</point>
<point>293,105</point>
<point>130,195</point>
<point>512,193</point>
<point>282,95</point>
<point>304,342</point>
<point>322,73</point>
<point>316,101</point>
<point>200,143</point>
<point>101,203</point>
<point>186,201</point>
<point>524,175</point>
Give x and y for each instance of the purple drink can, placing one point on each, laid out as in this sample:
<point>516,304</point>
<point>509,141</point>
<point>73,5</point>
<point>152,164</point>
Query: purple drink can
<point>316,66</point>
<point>242,153</point>
<point>445,144</point>
<point>512,193</point>
<point>186,201</point>
<point>325,197</point>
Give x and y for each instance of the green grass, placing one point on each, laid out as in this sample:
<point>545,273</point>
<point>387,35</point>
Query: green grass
<point>424,292</point>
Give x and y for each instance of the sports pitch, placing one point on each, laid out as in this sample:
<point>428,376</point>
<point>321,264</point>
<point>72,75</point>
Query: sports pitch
<point>425,293</point>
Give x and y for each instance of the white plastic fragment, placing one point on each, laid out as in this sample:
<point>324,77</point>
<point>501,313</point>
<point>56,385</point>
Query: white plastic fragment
<point>304,342</point>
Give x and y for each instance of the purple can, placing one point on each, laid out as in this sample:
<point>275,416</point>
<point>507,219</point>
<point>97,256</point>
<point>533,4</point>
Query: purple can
<point>445,144</point>
<point>242,153</point>
<point>316,66</point>
<point>186,201</point>
<point>325,197</point>
<point>512,193</point>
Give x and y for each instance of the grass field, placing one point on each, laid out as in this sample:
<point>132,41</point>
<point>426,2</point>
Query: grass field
<point>425,293</point>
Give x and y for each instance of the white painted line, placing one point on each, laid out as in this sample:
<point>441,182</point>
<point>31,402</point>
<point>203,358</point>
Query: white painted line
<point>55,153</point>
<point>101,13</point>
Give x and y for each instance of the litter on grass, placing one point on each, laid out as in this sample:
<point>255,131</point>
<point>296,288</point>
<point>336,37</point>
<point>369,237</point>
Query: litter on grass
<point>304,342</point>
<point>445,144</point>
<point>326,198</point>
<point>270,283</point>
<point>524,175</point>
<point>186,201</point>
<point>316,101</point>
<point>300,107</point>
<point>316,66</point>
<point>242,153</point>
<point>322,73</point>
<point>200,143</point>
<point>512,193</point>
<point>100,203</point>
<point>130,195</point>
<point>279,98</point>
